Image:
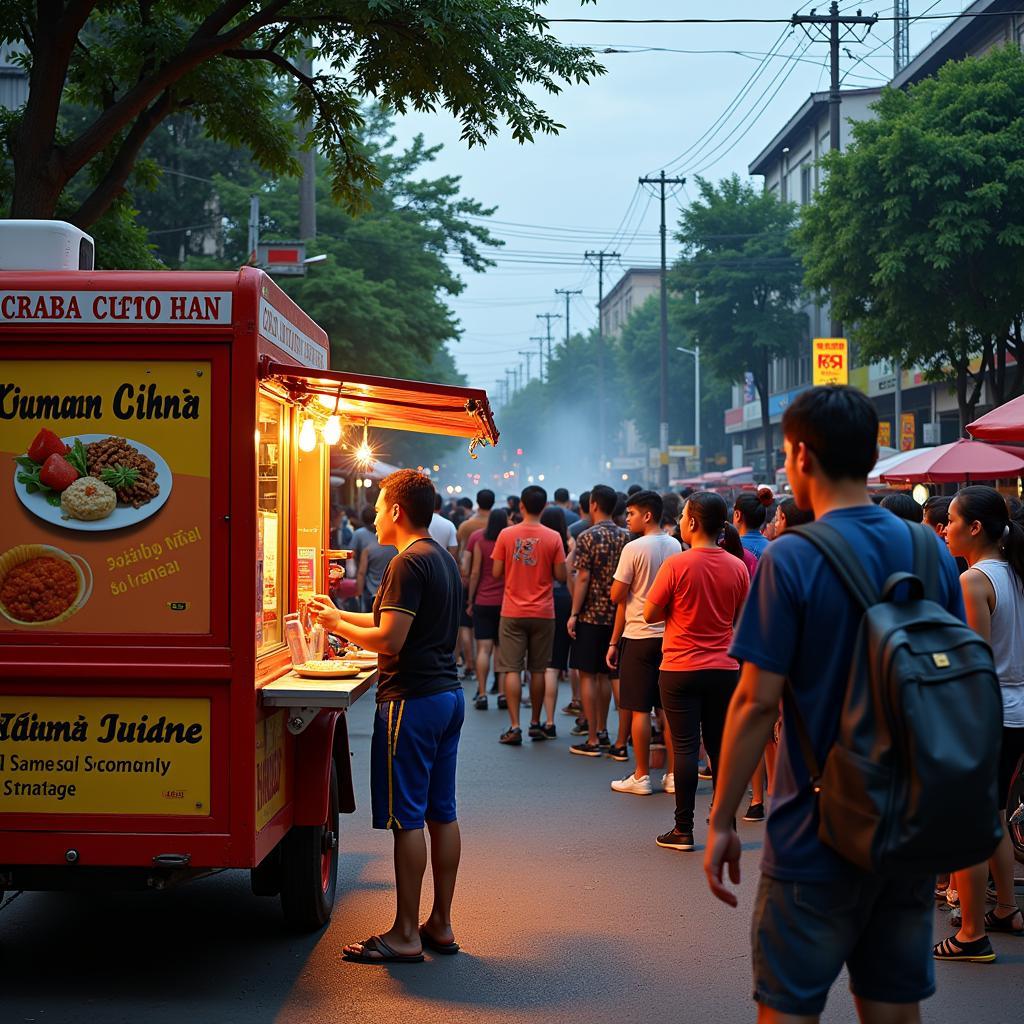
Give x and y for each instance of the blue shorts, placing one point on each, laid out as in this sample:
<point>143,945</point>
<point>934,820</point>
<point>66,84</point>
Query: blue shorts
<point>412,760</point>
<point>803,932</point>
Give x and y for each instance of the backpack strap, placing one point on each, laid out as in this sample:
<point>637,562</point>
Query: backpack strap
<point>803,736</point>
<point>838,553</point>
<point>926,559</point>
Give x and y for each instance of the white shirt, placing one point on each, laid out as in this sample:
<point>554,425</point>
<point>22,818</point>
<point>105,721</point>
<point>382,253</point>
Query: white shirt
<point>638,565</point>
<point>1007,640</point>
<point>443,531</point>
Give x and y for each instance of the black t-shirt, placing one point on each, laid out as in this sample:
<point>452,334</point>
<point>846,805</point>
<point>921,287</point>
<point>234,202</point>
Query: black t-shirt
<point>422,581</point>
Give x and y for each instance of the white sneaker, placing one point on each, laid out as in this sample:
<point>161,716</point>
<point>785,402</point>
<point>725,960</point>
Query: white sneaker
<point>668,782</point>
<point>631,784</point>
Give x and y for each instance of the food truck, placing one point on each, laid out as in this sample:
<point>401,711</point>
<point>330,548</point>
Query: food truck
<point>164,508</point>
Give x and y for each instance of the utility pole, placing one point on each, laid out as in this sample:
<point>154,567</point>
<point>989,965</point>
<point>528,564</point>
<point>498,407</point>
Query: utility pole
<point>601,256</point>
<point>509,391</point>
<point>835,28</point>
<point>568,293</point>
<point>661,181</point>
<point>502,385</point>
<point>540,353</point>
<point>900,35</point>
<point>529,364</point>
<point>549,317</point>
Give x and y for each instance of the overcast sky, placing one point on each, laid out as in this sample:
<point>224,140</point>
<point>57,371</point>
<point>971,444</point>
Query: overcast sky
<point>665,104</point>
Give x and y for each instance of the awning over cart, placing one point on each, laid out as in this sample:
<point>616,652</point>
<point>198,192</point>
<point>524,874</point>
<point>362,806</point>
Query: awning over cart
<point>390,403</point>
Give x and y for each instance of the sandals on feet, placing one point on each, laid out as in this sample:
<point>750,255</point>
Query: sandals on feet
<point>384,953</point>
<point>977,952</point>
<point>999,923</point>
<point>444,948</point>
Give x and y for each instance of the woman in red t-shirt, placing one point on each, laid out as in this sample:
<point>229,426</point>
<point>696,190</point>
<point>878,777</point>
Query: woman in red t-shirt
<point>698,594</point>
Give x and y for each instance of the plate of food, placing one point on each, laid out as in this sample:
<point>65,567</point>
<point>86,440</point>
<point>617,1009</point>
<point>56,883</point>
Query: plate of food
<point>91,482</point>
<point>333,669</point>
<point>41,585</point>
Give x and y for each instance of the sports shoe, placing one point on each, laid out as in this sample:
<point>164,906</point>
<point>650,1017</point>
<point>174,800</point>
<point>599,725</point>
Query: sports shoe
<point>502,701</point>
<point>631,784</point>
<point>536,732</point>
<point>550,731</point>
<point>668,782</point>
<point>481,702</point>
<point>676,840</point>
<point>603,740</point>
<point>581,727</point>
<point>512,737</point>
<point>619,754</point>
<point>573,708</point>
<point>586,749</point>
<point>703,771</point>
<point>755,812</point>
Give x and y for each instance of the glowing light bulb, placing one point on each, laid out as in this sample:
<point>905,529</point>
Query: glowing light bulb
<point>364,453</point>
<point>307,436</point>
<point>332,430</point>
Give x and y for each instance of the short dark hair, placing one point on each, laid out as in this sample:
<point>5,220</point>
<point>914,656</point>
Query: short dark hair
<point>649,501</point>
<point>903,505</point>
<point>561,494</point>
<point>633,489</point>
<point>413,493</point>
<point>367,516</point>
<point>604,497</point>
<point>437,501</point>
<point>794,514</point>
<point>584,502</point>
<point>534,499</point>
<point>936,510</point>
<point>466,503</point>
<point>839,425</point>
<point>485,499</point>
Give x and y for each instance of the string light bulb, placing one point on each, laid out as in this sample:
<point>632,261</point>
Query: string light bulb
<point>307,436</point>
<point>332,430</point>
<point>364,453</point>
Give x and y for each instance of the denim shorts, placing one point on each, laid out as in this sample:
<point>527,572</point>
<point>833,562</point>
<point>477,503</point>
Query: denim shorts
<point>803,932</point>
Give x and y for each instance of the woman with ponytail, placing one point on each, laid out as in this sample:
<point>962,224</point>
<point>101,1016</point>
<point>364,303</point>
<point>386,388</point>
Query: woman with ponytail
<point>981,531</point>
<point>698,594</point>
<point>749,513</point>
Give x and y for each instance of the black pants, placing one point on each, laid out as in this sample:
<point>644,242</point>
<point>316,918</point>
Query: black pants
<point>695,702</point>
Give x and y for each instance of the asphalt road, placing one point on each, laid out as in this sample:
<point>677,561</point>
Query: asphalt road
<point>566,911</point>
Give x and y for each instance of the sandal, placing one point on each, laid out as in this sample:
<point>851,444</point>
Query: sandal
<point>1003,923</point>
<point>512,737</point>
<point>444,948</point>
<point>977,952</point>
<point>386,955</point>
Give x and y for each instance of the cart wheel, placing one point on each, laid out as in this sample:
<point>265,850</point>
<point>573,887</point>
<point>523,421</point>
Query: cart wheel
<point>309,863</point>
<point>1015,811</point>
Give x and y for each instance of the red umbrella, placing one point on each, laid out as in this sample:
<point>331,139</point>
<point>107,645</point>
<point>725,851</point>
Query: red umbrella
<point>1004,423</point>
<point>960,461</point>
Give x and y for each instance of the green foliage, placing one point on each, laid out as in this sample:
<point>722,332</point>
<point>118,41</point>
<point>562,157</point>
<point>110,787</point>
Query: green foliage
<point>222,63</point>
<point>740,283</point>
<point>918,231</point>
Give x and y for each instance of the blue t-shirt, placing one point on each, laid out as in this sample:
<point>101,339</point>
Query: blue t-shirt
<point>800,622</point>
<point>755,543</point>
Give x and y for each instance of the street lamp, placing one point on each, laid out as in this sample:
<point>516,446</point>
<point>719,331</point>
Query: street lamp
<point>695,352</point>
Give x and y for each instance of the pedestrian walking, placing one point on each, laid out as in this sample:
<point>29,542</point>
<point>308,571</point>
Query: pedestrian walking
<point>484,596</point>
<point>593,616</point>
<point>698,595</point>
<point>815,910</point>
<point>553,518</point>
<point>635,647</point>
<point>529,557</point>
<point>372,559</point>
<point>420,710</point>
<point>748,516</point>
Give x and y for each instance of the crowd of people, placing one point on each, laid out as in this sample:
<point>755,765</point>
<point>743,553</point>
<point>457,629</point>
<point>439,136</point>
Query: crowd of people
<point>693,614</point>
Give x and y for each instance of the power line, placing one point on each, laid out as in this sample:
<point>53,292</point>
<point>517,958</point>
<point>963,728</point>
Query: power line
<point>762,21</point>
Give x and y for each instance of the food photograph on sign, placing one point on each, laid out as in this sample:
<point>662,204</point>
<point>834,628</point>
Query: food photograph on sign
<point>107,505</point>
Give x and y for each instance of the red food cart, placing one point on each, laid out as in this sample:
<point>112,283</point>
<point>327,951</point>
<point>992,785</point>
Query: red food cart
<point>151,727</point>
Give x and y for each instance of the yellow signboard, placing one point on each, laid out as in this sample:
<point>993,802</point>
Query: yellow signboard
<point>907,432</point>
<point>271,768</point>
<point>884,434</point>
<point>105,755</point>
<point>830,361</point>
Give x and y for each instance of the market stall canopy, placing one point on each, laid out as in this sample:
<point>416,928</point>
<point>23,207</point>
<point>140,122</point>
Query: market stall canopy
<point>742,475</point>
<point>389,403</point>
<point>961,461</point>
<point>890,462</point>
<point>1004,423</point>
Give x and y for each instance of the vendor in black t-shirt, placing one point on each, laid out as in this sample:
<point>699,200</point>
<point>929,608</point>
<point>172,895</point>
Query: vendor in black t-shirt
<point>420,708</point>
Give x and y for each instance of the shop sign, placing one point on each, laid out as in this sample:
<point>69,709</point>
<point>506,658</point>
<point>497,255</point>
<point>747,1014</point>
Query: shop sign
<point>271,767</point>
<point>830,361</point>
<point>125,550</point>
<point>907,432</point>
<point>884,434</point>
<point>275,327</point>
<point>105,755</point>
<point>115,308</point>
<point>305,573</point>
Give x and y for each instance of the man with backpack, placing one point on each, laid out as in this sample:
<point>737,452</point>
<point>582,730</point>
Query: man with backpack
<point>851,882</point>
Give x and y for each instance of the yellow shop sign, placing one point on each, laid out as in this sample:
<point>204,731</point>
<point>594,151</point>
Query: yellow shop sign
<point>104,755</point>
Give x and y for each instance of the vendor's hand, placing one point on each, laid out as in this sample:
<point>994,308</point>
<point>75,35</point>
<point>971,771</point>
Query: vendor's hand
<point>326,614</point>
<point>722,848</point>
<point>571,626</point>
<point>612,657</point>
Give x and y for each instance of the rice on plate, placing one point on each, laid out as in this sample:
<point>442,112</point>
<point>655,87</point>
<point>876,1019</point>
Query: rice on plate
<point>88,499</point>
